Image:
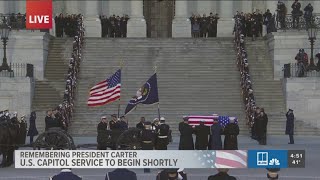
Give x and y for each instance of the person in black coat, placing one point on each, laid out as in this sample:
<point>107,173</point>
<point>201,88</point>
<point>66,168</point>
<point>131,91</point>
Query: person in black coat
<point>221,175</point>
<point>66,174</point>
<point>140,125</point>
<point>121,174</point>
<point>318,64</point>
<point>202,133</point>
<point>290,125</point>
<point>296,13</point>
<point>186,139</point>
<point>231,131</point>
<point>102,138</point>
<point>216,130</point>
<point>50,121</point>
<point>32,126</point>
<point>123,124</point>
<point>261,123</point>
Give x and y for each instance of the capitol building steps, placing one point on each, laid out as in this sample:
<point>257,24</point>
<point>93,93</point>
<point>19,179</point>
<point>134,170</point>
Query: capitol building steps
<point>195,77</point>
<point>268,92</point>
<point>49,92</point>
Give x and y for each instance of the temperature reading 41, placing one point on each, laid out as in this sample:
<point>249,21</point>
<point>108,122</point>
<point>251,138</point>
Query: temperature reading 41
<point>296,158</point>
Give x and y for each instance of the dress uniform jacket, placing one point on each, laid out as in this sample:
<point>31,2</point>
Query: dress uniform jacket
<point>65,175</point>
<point>121,174</point>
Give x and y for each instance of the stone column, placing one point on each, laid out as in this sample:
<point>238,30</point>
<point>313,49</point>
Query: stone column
<point>136,26</point>
<point>246,6</point>
<point>72,7</point>
<point>225,23</point>
<point>181,25</point>
<point>3,7</point>
<point>91,18</point>
<point>204,7</point>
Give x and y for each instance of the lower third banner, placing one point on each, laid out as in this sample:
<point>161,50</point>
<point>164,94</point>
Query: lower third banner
<point>130,159</point>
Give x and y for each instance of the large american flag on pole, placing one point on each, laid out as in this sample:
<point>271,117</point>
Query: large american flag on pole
<point>106,91</point>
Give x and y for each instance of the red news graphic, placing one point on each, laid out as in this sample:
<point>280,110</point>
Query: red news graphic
<point>39,14</point>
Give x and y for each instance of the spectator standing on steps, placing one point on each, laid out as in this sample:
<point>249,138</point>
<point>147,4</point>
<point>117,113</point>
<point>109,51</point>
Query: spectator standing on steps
<point>32,126</point>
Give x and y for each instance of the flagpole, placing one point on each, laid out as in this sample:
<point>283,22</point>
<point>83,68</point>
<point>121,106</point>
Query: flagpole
<point>119,102</point>
<point>155,71</point>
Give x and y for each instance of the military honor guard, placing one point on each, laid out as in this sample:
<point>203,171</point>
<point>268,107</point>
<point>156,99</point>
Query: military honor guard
<point>231,131</point>
<point>65,174</point>
<point>102,133</point>
<point>290,125</point>
<point>273,173</point>
<point>172,174</point>
<point>186,139</point>
<point>121,174</point>
<point>148,137</point>
<point>202,133</point>
<point>162,135</point>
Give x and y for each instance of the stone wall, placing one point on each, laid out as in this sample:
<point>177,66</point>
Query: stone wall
<point>303,96</point>
<point>283,47</point>
<point>28,47</point>
<point>16,94</point>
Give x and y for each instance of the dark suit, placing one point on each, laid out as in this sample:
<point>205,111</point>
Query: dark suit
<point>65,176</point>
<point>221,176</point>
<point>121,174</point>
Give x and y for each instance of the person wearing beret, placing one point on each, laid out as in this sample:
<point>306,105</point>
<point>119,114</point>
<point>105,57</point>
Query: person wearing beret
<point>290,125</point>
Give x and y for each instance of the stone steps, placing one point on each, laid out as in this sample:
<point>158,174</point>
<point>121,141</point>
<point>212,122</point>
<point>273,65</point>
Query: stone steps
<point>179,63</point>
<point>49,93</point>
<point>268,92</point>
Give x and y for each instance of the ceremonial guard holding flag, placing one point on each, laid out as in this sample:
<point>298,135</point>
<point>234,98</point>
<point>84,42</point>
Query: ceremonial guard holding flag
<point>231,131</point>
<point>186,139</point>
<point>103,133</point>
<point>163,135</point>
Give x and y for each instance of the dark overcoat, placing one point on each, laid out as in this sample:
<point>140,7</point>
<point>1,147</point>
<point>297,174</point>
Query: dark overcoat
<point>202,133</point>
<point>216,142</point>
<point>186,139</point>
<point>231,131</point>
<point>32,125</point>
<point>290,123</point>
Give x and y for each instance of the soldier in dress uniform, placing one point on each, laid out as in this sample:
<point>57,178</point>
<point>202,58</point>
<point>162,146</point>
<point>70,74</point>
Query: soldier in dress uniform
<point>202,133</point>
<point>231,131</point>
<point>172,174</point>
<point>114,123</point>
<point>102,133</point>
<point>140,125</point>
<point>155,124</point>
<point>186,139</point>
<point>123,124</point>
<point>66,174</point>
<point>273,173</point>
<point>163,135</point>
<point>148,139</point>
<point>121,174</point>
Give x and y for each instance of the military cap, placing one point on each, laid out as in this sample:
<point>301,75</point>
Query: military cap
<point>147,123</point>
<point>172,170</point>
<point>162,119</point>
<point>290,110</point>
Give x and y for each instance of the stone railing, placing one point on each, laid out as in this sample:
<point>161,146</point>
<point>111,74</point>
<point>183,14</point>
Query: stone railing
<point>302,25</point>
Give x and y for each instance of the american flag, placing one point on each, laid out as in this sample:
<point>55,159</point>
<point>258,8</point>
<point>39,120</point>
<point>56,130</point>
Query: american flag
<point>208,120</point>
<point>231,159</point>
<point>106,91</point>
<point>223,158</point>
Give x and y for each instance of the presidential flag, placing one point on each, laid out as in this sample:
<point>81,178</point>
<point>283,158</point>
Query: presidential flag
<point>208,120</point>
<point>106,91</point>
<point>147,94</point>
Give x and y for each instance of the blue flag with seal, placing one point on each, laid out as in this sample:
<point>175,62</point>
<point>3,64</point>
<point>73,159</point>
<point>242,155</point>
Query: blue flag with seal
<point>147,94</point>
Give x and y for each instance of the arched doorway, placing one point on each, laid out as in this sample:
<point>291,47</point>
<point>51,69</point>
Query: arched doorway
<point>159,15</point>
